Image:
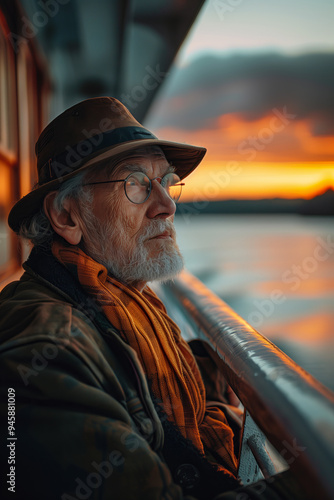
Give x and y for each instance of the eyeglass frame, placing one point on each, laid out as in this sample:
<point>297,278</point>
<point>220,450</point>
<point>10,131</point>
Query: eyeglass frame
<point>150,190</point>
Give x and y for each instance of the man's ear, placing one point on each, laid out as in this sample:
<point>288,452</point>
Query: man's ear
<point>65,223</point>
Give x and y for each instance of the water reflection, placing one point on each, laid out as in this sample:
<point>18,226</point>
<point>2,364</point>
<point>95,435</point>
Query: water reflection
<point>277,272</point>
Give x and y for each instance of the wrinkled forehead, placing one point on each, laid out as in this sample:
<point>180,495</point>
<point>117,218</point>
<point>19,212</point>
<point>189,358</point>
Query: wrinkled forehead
<point>134,160</point>
<point>142,157</point>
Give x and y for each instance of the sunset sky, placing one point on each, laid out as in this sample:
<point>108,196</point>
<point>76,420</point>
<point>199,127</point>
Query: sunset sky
<point>254,84</point>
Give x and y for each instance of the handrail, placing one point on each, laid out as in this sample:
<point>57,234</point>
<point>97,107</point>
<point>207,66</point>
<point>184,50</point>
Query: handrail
<point>293,409</point>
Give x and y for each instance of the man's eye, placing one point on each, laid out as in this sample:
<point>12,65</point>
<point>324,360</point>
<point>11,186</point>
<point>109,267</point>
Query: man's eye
<point>169,180</point>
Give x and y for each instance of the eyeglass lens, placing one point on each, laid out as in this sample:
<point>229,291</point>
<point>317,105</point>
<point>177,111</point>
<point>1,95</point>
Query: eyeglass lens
<point>138,186</point>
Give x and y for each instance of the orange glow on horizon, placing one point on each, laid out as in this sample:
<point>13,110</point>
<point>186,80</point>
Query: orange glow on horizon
<point>275,156</point>
<point>228,180</point>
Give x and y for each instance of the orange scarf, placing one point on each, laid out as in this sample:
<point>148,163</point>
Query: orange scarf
<point>166,358</point>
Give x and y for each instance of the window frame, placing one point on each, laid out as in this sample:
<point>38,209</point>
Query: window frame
<point>23,111</point>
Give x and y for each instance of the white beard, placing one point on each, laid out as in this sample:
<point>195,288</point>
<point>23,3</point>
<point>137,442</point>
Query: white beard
<point>135,265</point>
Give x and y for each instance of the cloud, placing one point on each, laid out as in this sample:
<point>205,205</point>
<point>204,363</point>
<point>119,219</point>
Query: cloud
<point>250,86</point>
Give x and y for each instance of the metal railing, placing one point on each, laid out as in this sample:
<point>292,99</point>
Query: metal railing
<point>293,410</point>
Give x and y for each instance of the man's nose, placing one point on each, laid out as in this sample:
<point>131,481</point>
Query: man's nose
<point>161,204</point>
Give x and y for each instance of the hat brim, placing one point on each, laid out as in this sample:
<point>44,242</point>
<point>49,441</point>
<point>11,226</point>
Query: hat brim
<point>184,157</point>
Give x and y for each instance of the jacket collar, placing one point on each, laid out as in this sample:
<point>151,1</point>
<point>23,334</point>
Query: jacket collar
<point>44,265</point>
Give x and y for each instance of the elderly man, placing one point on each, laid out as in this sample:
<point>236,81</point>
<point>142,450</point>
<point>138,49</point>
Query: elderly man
<point>110,402</point>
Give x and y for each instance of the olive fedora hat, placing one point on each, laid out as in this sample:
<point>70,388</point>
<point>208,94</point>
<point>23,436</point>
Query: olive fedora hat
<point>86,134</point>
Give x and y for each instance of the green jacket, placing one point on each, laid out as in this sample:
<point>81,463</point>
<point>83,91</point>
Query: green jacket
<point>85,425</point>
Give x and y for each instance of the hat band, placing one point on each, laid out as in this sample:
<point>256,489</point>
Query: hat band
<point>73,157</point>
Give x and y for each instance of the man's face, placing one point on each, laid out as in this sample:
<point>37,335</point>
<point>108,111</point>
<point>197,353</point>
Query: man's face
<point>136,242</point>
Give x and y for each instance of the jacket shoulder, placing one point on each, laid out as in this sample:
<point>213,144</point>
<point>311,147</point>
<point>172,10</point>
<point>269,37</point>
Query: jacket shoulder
<point>29,307</point>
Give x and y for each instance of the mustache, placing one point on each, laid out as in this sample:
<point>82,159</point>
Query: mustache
<point>157,227</point>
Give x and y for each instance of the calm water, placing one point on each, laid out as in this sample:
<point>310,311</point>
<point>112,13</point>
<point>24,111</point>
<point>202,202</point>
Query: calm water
<point>277,272</point>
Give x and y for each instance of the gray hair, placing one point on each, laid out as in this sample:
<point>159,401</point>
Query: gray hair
<point>38,229</point>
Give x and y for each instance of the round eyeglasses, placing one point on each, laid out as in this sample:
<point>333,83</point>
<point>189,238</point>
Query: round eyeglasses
<point>138,186</point>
